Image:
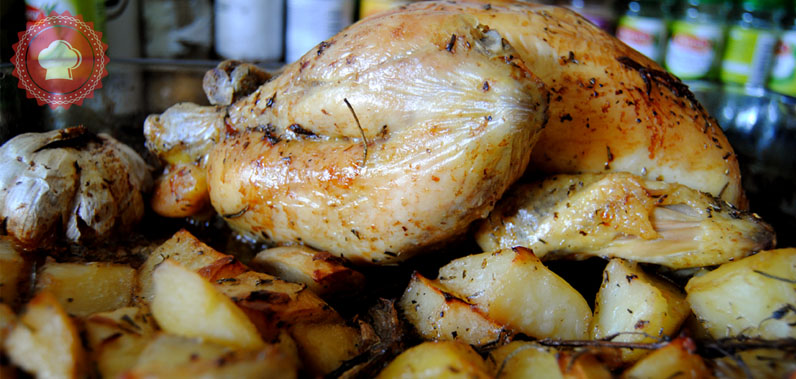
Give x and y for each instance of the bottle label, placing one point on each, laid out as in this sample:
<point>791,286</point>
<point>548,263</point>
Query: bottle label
<point>783,74</point>
<point>691,52</point>
<point>748,56</point>
<point>643,34</point>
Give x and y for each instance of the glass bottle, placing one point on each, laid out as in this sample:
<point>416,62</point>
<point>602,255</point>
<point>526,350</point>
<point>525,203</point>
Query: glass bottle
<point>751,40</point>
<point>643,27</point>
<point>697,39</point>
<point>600,12</point>
<point>783,74</point>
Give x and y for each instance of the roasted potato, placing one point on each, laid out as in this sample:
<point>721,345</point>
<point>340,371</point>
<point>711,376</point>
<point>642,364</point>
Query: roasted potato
<point>637,306</point>
<point>184,248</point>
<point>438,315</point>
<point>323,273</point>
<point>443,359</point>
<point>186,304</point>
<point>322,347</point>
<point>675,360</point>
<point>45,342</point>
<point>752,297</point>
<point>523,359</point>
<point>87,288</point>
<point>169,356</point>
<point>515,289</point>
<point>117,338</point>
<point>12,272</point>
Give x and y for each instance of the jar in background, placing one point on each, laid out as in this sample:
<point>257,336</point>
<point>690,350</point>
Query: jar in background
<point>370,7</point>
<point>599,12</point>
<point>177,28</point>
<point>643,27</point>
<point>751,41</point>
<point>249,30</point>
<point>309,22</point>
<point>783,73</point>
<point>697,39</point>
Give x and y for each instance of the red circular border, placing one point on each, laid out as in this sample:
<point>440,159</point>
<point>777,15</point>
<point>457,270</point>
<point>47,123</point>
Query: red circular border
<point>84,91</point>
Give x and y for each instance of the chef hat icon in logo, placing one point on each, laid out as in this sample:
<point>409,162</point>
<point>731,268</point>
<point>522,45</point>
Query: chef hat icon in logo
<point>59,59</point>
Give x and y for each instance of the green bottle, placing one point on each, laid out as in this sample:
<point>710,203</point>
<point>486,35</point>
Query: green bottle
<point>751,41</point>
<point>643,27</point>
<point>697,38</point>
<point>783,73</point>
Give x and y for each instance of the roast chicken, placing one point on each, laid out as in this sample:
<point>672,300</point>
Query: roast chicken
<point>623,215</point>
<point>389,138</point>
<point>611,108</point>
<point>394,135</point>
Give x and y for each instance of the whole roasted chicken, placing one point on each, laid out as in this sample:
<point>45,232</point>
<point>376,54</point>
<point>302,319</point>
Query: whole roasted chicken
<point>391,137</point>
<point>396,134</point>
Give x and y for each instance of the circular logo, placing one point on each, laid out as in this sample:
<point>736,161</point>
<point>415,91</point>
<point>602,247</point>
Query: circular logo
<point>60,60</point>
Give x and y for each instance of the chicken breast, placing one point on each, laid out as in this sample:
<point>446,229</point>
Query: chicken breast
<point>611,108</point>
<point>69,184</point>
<point>625,216</point>
<point>385,140</point>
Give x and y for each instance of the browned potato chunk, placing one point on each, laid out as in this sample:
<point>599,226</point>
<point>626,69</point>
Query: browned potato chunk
<point>270,301</point>
<point>637,306</point>
<point>117,338</point>
<point>186,304</point>
<point>45,341</point>
<point>439,315</point>
<point>12,271</point>
<point>763,363</point>
<point>169,356</point>
<point>322,272</point>
<point>515,289</point>
<point>324,346</point>
<point>751,297</point>
<point>522,359</point>
<point>443,359</point>
<point>582,365</point>
<point>87,288</point>
<point>191,253</point>
<point>675,360</point>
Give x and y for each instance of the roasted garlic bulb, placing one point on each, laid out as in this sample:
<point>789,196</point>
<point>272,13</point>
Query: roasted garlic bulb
<point>69,184</point>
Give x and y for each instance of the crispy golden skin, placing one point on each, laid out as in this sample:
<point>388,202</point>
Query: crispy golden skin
<point>611,108</point>
<point>447,116</point>
<point>626,216</point>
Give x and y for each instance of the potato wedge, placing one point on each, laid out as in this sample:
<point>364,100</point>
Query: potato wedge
<point>763,363</point>
<point>637,306</point>
<point>515,289</point>
<point>442,359</point>
<point>523,359</point>
<point>324,346</point>
<point>322,272</point>
<point>186,304</point>
<point>12,272</point>
<point>271,303</point>
<point>675,360</point>
<point>440,316</point>
<point>117,338</point>
<point>184,248</point>
<point>87,288</point>
<point>751,297</point>
<point>582,364</point>
<point>169,356</point>
<point>45,341</point>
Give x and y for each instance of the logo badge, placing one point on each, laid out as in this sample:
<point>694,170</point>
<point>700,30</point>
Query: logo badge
<point>60,60</point>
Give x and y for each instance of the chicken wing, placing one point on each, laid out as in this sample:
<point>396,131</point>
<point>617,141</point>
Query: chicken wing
<point>623,215</point>
<point>385,140</point>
